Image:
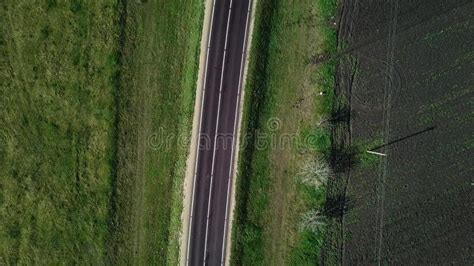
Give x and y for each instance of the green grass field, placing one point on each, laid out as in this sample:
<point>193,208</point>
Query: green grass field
<point>88,89</point>
<point>283,85</point>
<point>159,71</point>
<point>57,115</point>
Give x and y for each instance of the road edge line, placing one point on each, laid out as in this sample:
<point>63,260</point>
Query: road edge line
<point>191,160</point>
<point>237,137</point>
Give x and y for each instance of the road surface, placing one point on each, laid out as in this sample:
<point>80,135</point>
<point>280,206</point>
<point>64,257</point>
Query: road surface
<point>217,128</point>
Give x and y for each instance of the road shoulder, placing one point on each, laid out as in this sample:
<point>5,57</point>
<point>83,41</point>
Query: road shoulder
<point>188,181</point>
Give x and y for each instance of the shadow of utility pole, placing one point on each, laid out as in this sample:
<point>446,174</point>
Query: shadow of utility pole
<point>404,138</point>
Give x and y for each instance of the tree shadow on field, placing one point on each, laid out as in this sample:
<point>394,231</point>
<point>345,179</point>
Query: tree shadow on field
<point>341,114</point>
<point>337,206</point>
<point>342,158</point>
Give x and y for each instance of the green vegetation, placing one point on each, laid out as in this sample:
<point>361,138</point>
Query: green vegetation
<point>89,89</point>
<point>57,113</point>
<point>284,83</point>
<point>157,93</point>
<point>363,159</point>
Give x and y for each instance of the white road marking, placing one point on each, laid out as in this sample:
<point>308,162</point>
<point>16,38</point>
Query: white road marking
<point>199,134</point>
<point>234,133</point>
<point>215,134</point>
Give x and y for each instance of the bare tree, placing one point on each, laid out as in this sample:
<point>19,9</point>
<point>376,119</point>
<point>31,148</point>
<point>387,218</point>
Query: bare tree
<point>315,172</point>
<point>338,115</point>
<point>313,221</point>
<point>322,121</point>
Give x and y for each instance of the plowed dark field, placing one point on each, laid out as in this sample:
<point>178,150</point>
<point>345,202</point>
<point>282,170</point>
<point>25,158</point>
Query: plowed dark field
<point>409,80</point>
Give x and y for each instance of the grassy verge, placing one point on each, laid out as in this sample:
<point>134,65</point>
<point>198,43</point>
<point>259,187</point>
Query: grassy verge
<point>282,107</point>
<point>96,107</point>
<point>160,63</point>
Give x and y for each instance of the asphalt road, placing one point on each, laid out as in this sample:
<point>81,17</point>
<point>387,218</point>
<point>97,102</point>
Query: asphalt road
<point>217,128</point>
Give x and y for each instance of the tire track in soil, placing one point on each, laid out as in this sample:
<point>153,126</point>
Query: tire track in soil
<point>334,252</point>
<point>368,103</point>
<point>386,128</point>
<point>347,34</point>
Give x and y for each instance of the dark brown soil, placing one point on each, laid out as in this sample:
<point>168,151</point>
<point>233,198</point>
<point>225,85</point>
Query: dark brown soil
<point>407,74</point>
